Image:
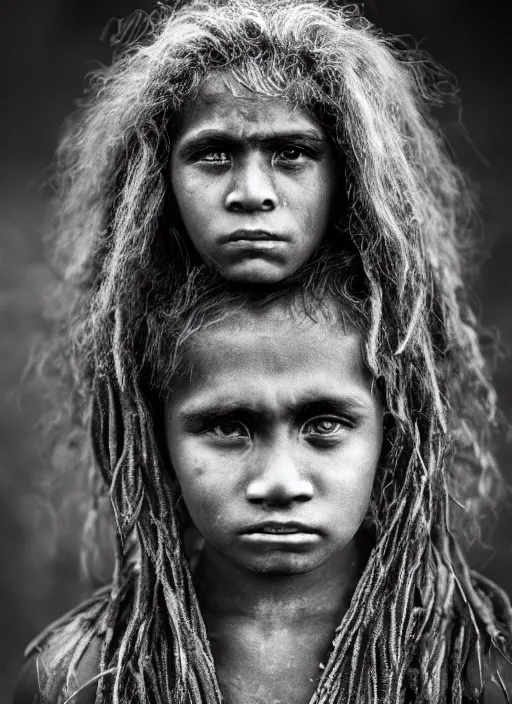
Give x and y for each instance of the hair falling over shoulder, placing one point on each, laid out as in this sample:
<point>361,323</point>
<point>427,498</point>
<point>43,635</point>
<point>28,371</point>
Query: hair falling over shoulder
<point>129,294</point>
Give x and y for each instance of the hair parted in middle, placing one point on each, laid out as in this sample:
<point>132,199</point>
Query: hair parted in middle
<point>133,292</point>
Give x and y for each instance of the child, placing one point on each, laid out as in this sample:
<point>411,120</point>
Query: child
<point>286,144</point>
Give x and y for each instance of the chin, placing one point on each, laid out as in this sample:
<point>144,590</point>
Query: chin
<point>257,272</point>
<point>284,566</point>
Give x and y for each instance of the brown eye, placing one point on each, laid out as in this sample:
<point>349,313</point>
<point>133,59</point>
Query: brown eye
<point>231,430</point>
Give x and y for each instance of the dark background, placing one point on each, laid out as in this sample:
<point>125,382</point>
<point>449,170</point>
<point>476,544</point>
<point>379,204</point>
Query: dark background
<point>47,47</point>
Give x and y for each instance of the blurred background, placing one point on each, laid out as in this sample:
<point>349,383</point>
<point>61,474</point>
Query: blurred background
<point>47,48</point>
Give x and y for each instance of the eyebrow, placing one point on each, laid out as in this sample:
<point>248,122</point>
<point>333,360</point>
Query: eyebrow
<point>206,414</point>
<point>209,137</point>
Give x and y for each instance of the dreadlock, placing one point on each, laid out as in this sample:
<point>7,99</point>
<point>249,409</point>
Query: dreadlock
<point>130,294</point>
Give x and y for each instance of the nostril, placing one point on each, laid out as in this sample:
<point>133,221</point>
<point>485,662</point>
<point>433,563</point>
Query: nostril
<point>250,206</point>
<point>302,498</point>
<point>276,503</point>
<point>279,484</point>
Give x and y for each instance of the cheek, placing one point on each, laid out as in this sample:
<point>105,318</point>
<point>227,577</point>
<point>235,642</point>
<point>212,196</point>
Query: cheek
<point>208,512</point>
<point>358,485</point>
<point>349,505</point>
<point>198,497</point>
<point>193,200</point>
<point>189,204</point>
<point>355,480</point>
<point>314,204</point>
<point>204,492</point>
<point>187,466</point>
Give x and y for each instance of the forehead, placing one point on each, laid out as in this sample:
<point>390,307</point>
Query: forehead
<point>222,102</point>
<point>274,355</point>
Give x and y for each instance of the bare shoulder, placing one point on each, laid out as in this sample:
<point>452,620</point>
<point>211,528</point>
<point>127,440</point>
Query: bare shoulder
<point>35,673</point>
<point>497,675</point>
<point>72,644</point>
<point>498,689</point>
<point>65,658</point>
<point>27,685</point>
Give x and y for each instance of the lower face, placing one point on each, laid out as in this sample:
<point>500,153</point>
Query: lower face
<point>254,180</point>
<point>275,436</point>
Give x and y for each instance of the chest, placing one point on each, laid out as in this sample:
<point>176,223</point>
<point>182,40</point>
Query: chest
<point>268,667</point>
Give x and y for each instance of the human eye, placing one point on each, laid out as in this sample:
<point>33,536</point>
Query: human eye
<point>291,154</point>
<point>230,430</point>
<point>324,429</point>
<point>214,156</point>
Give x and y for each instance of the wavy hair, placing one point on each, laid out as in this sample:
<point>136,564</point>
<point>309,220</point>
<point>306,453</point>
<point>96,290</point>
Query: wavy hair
<point>131,292</point>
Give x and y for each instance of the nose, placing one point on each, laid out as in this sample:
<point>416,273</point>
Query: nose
<point>278,480</point>
<point>252,188</point>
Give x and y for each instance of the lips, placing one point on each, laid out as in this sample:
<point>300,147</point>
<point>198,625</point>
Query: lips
<point>252,236</point>
<point>279,528</point>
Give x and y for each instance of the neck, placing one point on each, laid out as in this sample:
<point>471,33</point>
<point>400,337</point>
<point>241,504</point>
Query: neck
<point>227,590</point>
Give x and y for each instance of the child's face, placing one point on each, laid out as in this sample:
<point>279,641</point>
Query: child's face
<point>275,434</point>
<point>254,181</point>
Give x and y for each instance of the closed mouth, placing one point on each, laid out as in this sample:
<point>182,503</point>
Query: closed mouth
<point>279,528</point>
<point>252,236</point>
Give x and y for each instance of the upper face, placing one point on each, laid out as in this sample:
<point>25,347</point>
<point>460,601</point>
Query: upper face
<point>275,436</point>
<point>254,181</point>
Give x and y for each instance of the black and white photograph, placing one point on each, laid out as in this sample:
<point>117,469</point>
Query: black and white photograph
<point>256,352</point>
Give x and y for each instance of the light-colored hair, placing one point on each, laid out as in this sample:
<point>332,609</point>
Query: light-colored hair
<point>132,293</point>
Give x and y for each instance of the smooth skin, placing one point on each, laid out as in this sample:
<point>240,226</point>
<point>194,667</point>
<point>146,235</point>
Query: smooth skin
<point>254,180</point>
<point>275,420</point>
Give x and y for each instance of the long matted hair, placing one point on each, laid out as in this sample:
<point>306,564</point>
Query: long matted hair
<point>130,293</point>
